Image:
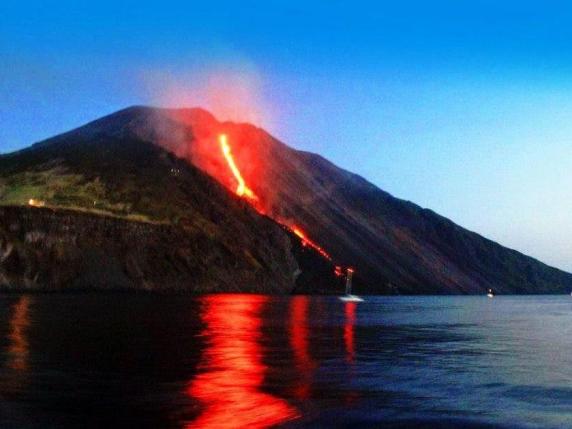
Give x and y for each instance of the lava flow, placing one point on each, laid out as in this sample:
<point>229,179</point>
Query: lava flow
<point>307,242</point>
<point>242,190</point>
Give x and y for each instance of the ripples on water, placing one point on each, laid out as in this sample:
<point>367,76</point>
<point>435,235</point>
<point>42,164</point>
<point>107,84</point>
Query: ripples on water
<point>230,361</point>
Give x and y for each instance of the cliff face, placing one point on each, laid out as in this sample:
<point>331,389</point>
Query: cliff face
<point>46,249</point>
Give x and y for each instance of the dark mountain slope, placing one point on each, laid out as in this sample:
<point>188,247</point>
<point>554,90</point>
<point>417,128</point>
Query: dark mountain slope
<point>394,244</point>
<point>181,230</point>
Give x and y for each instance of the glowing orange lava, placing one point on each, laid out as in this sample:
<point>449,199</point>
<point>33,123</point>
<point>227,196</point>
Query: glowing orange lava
<point>241,189</point>
<point>307,242</point>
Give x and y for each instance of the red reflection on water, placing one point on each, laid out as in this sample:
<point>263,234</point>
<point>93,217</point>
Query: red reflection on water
<point>350,312</point>
<point>300,345</point>
<point>18,349</point>
<point>233,370</point>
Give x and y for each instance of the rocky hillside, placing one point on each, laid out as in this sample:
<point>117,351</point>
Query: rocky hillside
<point>395,245</point>
<point>126,214</point>
<point>46,249</point>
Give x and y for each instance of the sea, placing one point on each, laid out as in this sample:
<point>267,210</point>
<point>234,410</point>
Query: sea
<point>106,360</point>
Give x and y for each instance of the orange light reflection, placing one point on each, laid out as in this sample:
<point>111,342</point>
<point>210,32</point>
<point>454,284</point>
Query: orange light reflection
<point>350,313</point>
<point>299,340</point>
<point>229,386</point>
<point>19,323</point>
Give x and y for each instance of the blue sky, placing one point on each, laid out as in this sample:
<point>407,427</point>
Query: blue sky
<point>464,107</point>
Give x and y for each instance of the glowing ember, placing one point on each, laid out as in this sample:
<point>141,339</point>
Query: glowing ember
<point>36,203</point>
<point>307,242</point>
<point>241,190</point>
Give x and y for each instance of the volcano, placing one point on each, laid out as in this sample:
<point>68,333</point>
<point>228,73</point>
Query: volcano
<point>167,166</point>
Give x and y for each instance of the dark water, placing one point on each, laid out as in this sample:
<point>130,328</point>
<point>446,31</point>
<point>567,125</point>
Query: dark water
<point>254,361</point>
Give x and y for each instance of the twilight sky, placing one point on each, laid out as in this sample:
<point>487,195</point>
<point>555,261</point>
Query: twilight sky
<point>464,107</point>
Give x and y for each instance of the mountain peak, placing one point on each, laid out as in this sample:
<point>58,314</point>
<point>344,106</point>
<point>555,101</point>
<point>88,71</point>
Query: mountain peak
<point>394,245</point>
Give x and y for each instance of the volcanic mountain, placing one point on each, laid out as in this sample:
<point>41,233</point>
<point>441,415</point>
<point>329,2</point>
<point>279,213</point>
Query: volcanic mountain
<point>162,166</point>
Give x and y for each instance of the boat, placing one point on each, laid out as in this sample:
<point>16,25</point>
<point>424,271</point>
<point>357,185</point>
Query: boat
<point>348,297</point>
<point>351,298</point>
<point>490,293</point>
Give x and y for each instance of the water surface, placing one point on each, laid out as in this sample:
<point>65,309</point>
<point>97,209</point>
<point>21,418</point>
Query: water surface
<point>88,360</point>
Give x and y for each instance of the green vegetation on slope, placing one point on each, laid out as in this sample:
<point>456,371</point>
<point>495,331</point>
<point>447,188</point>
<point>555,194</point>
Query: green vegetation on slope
<point>196,236</point>
<point>128,179</point>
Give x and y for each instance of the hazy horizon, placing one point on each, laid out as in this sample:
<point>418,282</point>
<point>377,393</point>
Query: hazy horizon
<point>465,109</point>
